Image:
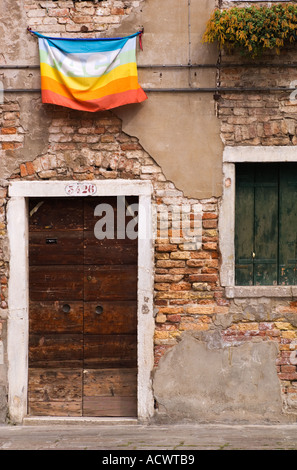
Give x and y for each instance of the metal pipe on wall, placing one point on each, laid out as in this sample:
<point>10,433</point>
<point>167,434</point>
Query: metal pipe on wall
<point>151,66</point>
<point>179,90</point>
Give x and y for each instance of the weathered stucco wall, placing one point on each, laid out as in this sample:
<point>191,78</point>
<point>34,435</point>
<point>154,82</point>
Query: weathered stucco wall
<point>185,122</point>
<point>201,381</point>
<point>202,340</point>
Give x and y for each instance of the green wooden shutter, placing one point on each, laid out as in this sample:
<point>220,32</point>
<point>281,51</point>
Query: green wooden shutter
<point>244,224</point>
<point>256,224</point>
<point>288,224</point>
<point>266,224</point>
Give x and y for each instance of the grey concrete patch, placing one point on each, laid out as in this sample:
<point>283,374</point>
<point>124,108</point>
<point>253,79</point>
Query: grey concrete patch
<point>231,384</point>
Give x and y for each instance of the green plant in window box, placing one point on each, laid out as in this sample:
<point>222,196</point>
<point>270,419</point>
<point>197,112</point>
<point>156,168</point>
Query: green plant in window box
<point>253,30</point>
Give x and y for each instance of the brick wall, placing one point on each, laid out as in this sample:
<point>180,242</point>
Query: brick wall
<point>258,118</point>
<point>187,291</point>
<point>71,17</point>
<point>11,132</point>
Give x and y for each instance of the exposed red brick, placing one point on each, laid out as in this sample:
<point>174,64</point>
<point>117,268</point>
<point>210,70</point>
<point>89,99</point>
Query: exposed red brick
<point>80,19</point>
<point>174,318</point>
<point>58,12</point>
<point>181,286</point>
<point>8,146</point>
<point>212,223</point>
<point>210,246</point>
<point>203,278</point>
<point>288,376</point>
<point>209,215</point>
<point>131,146</point>
<point>30,168</point>
<point>288,368</point>
<point>8,130</point>
<point>23,170</point>
<point>171,310</point>
<point>166,248</point>
<point>99,130</point>
<point>117,11</point>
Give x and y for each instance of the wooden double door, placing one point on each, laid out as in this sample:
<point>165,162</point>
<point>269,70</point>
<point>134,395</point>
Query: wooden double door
<point>83,310</point>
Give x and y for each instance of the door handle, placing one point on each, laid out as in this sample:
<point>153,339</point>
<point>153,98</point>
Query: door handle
<point>66,308</point>
<point>99,309</point>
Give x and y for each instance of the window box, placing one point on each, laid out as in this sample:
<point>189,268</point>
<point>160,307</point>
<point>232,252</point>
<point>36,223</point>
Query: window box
<point>253,30</point>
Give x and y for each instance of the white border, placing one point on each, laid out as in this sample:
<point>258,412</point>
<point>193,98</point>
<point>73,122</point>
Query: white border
<point>231,156</point>
<point>17,336</point>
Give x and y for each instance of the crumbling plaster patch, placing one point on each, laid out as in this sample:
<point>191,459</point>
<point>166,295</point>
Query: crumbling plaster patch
<point>13,28</point>
<point>179,130</point>
<point>212,384</point>
<point>32,133</point>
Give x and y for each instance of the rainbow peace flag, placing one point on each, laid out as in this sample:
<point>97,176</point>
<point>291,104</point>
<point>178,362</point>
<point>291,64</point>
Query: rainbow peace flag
<point>89,74</point>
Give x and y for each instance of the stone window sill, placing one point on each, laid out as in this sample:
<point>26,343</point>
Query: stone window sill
<point>260,291</point>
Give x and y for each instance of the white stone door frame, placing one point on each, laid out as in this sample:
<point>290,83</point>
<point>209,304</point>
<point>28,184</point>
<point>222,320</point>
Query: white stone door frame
<point>18,288</point>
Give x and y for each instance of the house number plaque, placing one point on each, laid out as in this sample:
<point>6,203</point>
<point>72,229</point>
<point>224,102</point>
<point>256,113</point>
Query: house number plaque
<point>80,189</point>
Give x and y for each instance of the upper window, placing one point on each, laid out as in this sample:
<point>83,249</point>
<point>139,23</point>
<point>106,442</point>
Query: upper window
<point>266,224</point>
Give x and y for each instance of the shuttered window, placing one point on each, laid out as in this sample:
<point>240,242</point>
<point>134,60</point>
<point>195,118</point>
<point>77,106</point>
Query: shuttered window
<point>266,224</point>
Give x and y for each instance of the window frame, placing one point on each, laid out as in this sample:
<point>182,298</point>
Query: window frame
<point>231,156</point>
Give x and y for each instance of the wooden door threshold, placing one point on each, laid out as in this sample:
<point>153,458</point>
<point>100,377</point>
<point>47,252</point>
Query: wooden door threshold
<point>78,421</point>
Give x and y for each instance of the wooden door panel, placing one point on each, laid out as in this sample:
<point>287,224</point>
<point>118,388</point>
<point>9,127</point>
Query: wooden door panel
<point>110,351</point>
<point>61,214</point>
<point>56,350</point>
<point>54,317</point>
<point>55,392</point>
<point>56,248</point>
<point>90,206</point>
<point>110,283</point>
<point>56,283</point>
<point>117,252</point>
<point>83,311</point>
<point>55,408</point>
<point>110,392</point>
<point>110,320</point>
<point>110,317</point>
<point>110,382</point>
<point>110,406</point>
<point>119,207</point>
